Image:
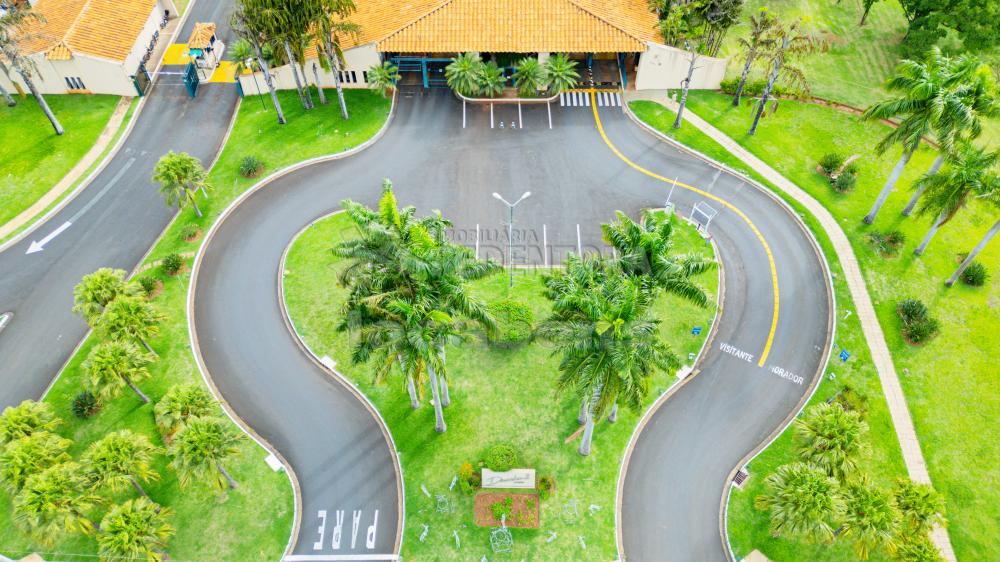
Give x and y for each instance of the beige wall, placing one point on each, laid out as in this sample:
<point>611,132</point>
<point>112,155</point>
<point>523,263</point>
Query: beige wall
<point>663,67</point>
<point>145,36</point>
<point>358,59</point>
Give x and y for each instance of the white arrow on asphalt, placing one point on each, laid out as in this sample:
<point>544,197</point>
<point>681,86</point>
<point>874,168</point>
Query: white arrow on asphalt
<point>40,245</point>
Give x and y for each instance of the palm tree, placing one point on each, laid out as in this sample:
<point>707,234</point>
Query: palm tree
<point>135,530</point>
<point>181,403</point>
<point>491,80</point>
<point>30,455</point>
<point>99,288</point>
<point>802,501</point>
<point>792,42</point>
<point>246,25</point>
<point>969,174</point>
<point>6,96</point>
<point>609,344</point>
<point>869,518</point>
<point>831,438</point>
<point>199,449</point>
<point>26,418</point>
<point>995,200</point>
<point>131,318</point>
<point>924,91</point>
<point>919,549</point>
<point>113,365</point>
<point>920,506</point>
<point>120,459</point>
<point>463,73</point>
<point>759,44</point>
<point>645,252</point>
<point>383,77</point>
<point>55,501</point>
<point>13,24</point>
<point>561,73</point>
<point>242,56</point>
<point>180,175</point>
<point>530,77</point>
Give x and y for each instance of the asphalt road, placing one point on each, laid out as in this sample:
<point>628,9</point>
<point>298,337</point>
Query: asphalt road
<point>113,222</point>
<point>678,472</point>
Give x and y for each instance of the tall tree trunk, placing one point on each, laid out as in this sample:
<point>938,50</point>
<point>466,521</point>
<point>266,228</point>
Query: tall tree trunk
<point>194,203</point>
<point>411,388</point>
<point>135,389</point>
<point>775,70</point>
<point>890,183</point>
<point>319,87</point>
<point>930,234</point>
<point>445,396</point>
<point>6,72</point>
<point>6,96</point>
<point>972,255</point>
<point>684,92</point>
<point>439,425</point>
<point>334,67</point>
<point>743,78</point>
<point>305,81</point>
<point>229,479</point>
<point>41,102</point>
<point>864,14</point>
<point>920,190</point>
<point>266,71</point>
<point>613,417</point>
<point>582,417</point>
<point>138,488</point>
<point>295,74</point>
<point>588,430</point>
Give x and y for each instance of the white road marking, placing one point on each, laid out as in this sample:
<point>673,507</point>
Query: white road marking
<point>562,99</point>
<point>586,99</point>
<point>618,99</point>
<point>37,246</point>
<point>4,319</point>
<point>338,530</point>
<point>336,557</point>
<point>370,538</point>
<point>736,352</point>
<point>477,240</point>
<point>519,118</point>
<point>579,245</point>
<point>318,545</point>
<point>545,246</point>
<point>356,516</point>
<point>491,115</point>
<point>463,114</point>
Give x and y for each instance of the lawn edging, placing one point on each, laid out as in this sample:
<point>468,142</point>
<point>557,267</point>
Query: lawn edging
<point>817,377</point>
<point>193,337</point>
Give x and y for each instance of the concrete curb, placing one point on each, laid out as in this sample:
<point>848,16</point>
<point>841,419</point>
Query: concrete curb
<point>347,383</point>
<point>193,336</point>
<point>817,377</point>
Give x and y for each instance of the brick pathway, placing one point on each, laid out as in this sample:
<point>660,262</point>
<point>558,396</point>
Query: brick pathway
<point>900,413</point>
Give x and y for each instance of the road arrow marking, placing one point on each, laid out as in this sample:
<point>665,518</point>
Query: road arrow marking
<point>40,245</point>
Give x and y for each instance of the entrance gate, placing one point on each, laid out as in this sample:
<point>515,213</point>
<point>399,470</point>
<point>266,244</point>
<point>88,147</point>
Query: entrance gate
<point>191,79</point>
<point>431,69</point>
<point>141,80</point>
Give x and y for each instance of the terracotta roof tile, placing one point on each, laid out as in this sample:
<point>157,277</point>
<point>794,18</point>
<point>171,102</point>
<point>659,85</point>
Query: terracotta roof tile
<point>201,35</point>
<point>101,28</point>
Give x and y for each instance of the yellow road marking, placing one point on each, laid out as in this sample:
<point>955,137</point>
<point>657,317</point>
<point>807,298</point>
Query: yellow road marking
<point>176,53</point>
<point>225,72</point>
<point>741,214</point>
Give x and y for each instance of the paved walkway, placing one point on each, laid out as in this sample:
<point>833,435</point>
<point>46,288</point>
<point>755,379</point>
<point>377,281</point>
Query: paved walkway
<point>914,459</point>
<point>81,167</point>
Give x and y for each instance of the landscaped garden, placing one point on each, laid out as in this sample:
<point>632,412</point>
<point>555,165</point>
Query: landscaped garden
<point>506,410</point>
<point>210,519</point>
<point>33,158</point>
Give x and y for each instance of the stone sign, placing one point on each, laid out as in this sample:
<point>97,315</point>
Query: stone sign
<point>514,478</point>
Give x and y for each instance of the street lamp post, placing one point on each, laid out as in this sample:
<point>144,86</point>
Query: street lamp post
<point>249,63</point>
<point>510,229</point>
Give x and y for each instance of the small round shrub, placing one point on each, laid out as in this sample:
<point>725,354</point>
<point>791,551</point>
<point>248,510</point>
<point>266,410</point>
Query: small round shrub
<point>975,275</point>
<point>251,166</point>
<point>844,182</point>
<point>515,321</point>
<point>546,487</point>
<point>911,310</point>
<point>502,509</point>
<point>501,458</point>
<point>188,232</point>
<point>886,244</point>
<point>85,405</point>
<point>920,331</point>
<point>851,168</point>
<point>172,263</point>
<point>469,479</point>
<point>148,284</point>
<point>831,162</point>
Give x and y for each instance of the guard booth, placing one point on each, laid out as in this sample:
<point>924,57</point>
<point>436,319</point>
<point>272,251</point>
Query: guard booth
<point>204,48</point>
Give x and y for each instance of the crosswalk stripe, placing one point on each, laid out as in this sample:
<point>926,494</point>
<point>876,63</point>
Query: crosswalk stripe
<point>586,99</point>
<point>607,98</point>
<point>600,99</point>
<point>618,99</point>
<point>562,99</point>
<point>576,99</point>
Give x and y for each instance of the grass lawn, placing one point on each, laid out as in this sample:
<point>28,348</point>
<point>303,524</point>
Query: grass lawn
<point>254,521</point>
<point>498,395</point>
<point>950,387</point>
<point>32,157</point>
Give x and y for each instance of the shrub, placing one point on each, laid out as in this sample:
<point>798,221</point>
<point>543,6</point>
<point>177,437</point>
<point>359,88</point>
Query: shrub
<point>852,401</point>
<point>753,88</point>
<point>831,162</point>
<point>469,479</point>
<point>188,232</point>
<point>172,263</point>
<point>918,325</point>
<point>911,310</point>
<point>975,275</point>
<point>501,457</point>
<point>886,244</point>
<point>515,321</point>
<point>85,405</point>
<point>148,284</point>
<point>844,182</point>
<point>251,166</point>
<point>546,487</point>
<point>502,508</point>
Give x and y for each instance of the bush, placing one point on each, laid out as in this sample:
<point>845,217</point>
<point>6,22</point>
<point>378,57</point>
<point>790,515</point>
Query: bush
<point>753,88</point>
<point>852,401</point>
<point>85,405</point>
<point>844,182</point>
<point>188,232</point>
<point>251,166</point>
<point>469,479</point>
<point>148,284</point>
<point>911,310</point>
<point>515,322</point>
<point>886,244</point>
<point>546,487</point>
<point>172,264</point>
<point>975,275</point>
<point>831,162</point>
<point>501,458</point>
<point>918,325</point>
<point>502,508</point>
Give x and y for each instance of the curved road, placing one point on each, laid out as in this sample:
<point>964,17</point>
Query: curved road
<point>678,472</point>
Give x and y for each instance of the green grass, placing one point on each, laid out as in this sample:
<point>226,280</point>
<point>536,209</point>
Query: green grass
<point>32,157</point>
<point>498,395</point>
<point>949,384</point>
<point>254,521</point>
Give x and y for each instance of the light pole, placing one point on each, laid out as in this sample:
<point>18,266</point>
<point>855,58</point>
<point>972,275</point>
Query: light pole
<point>510,229</point>
<point>249,63</point>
